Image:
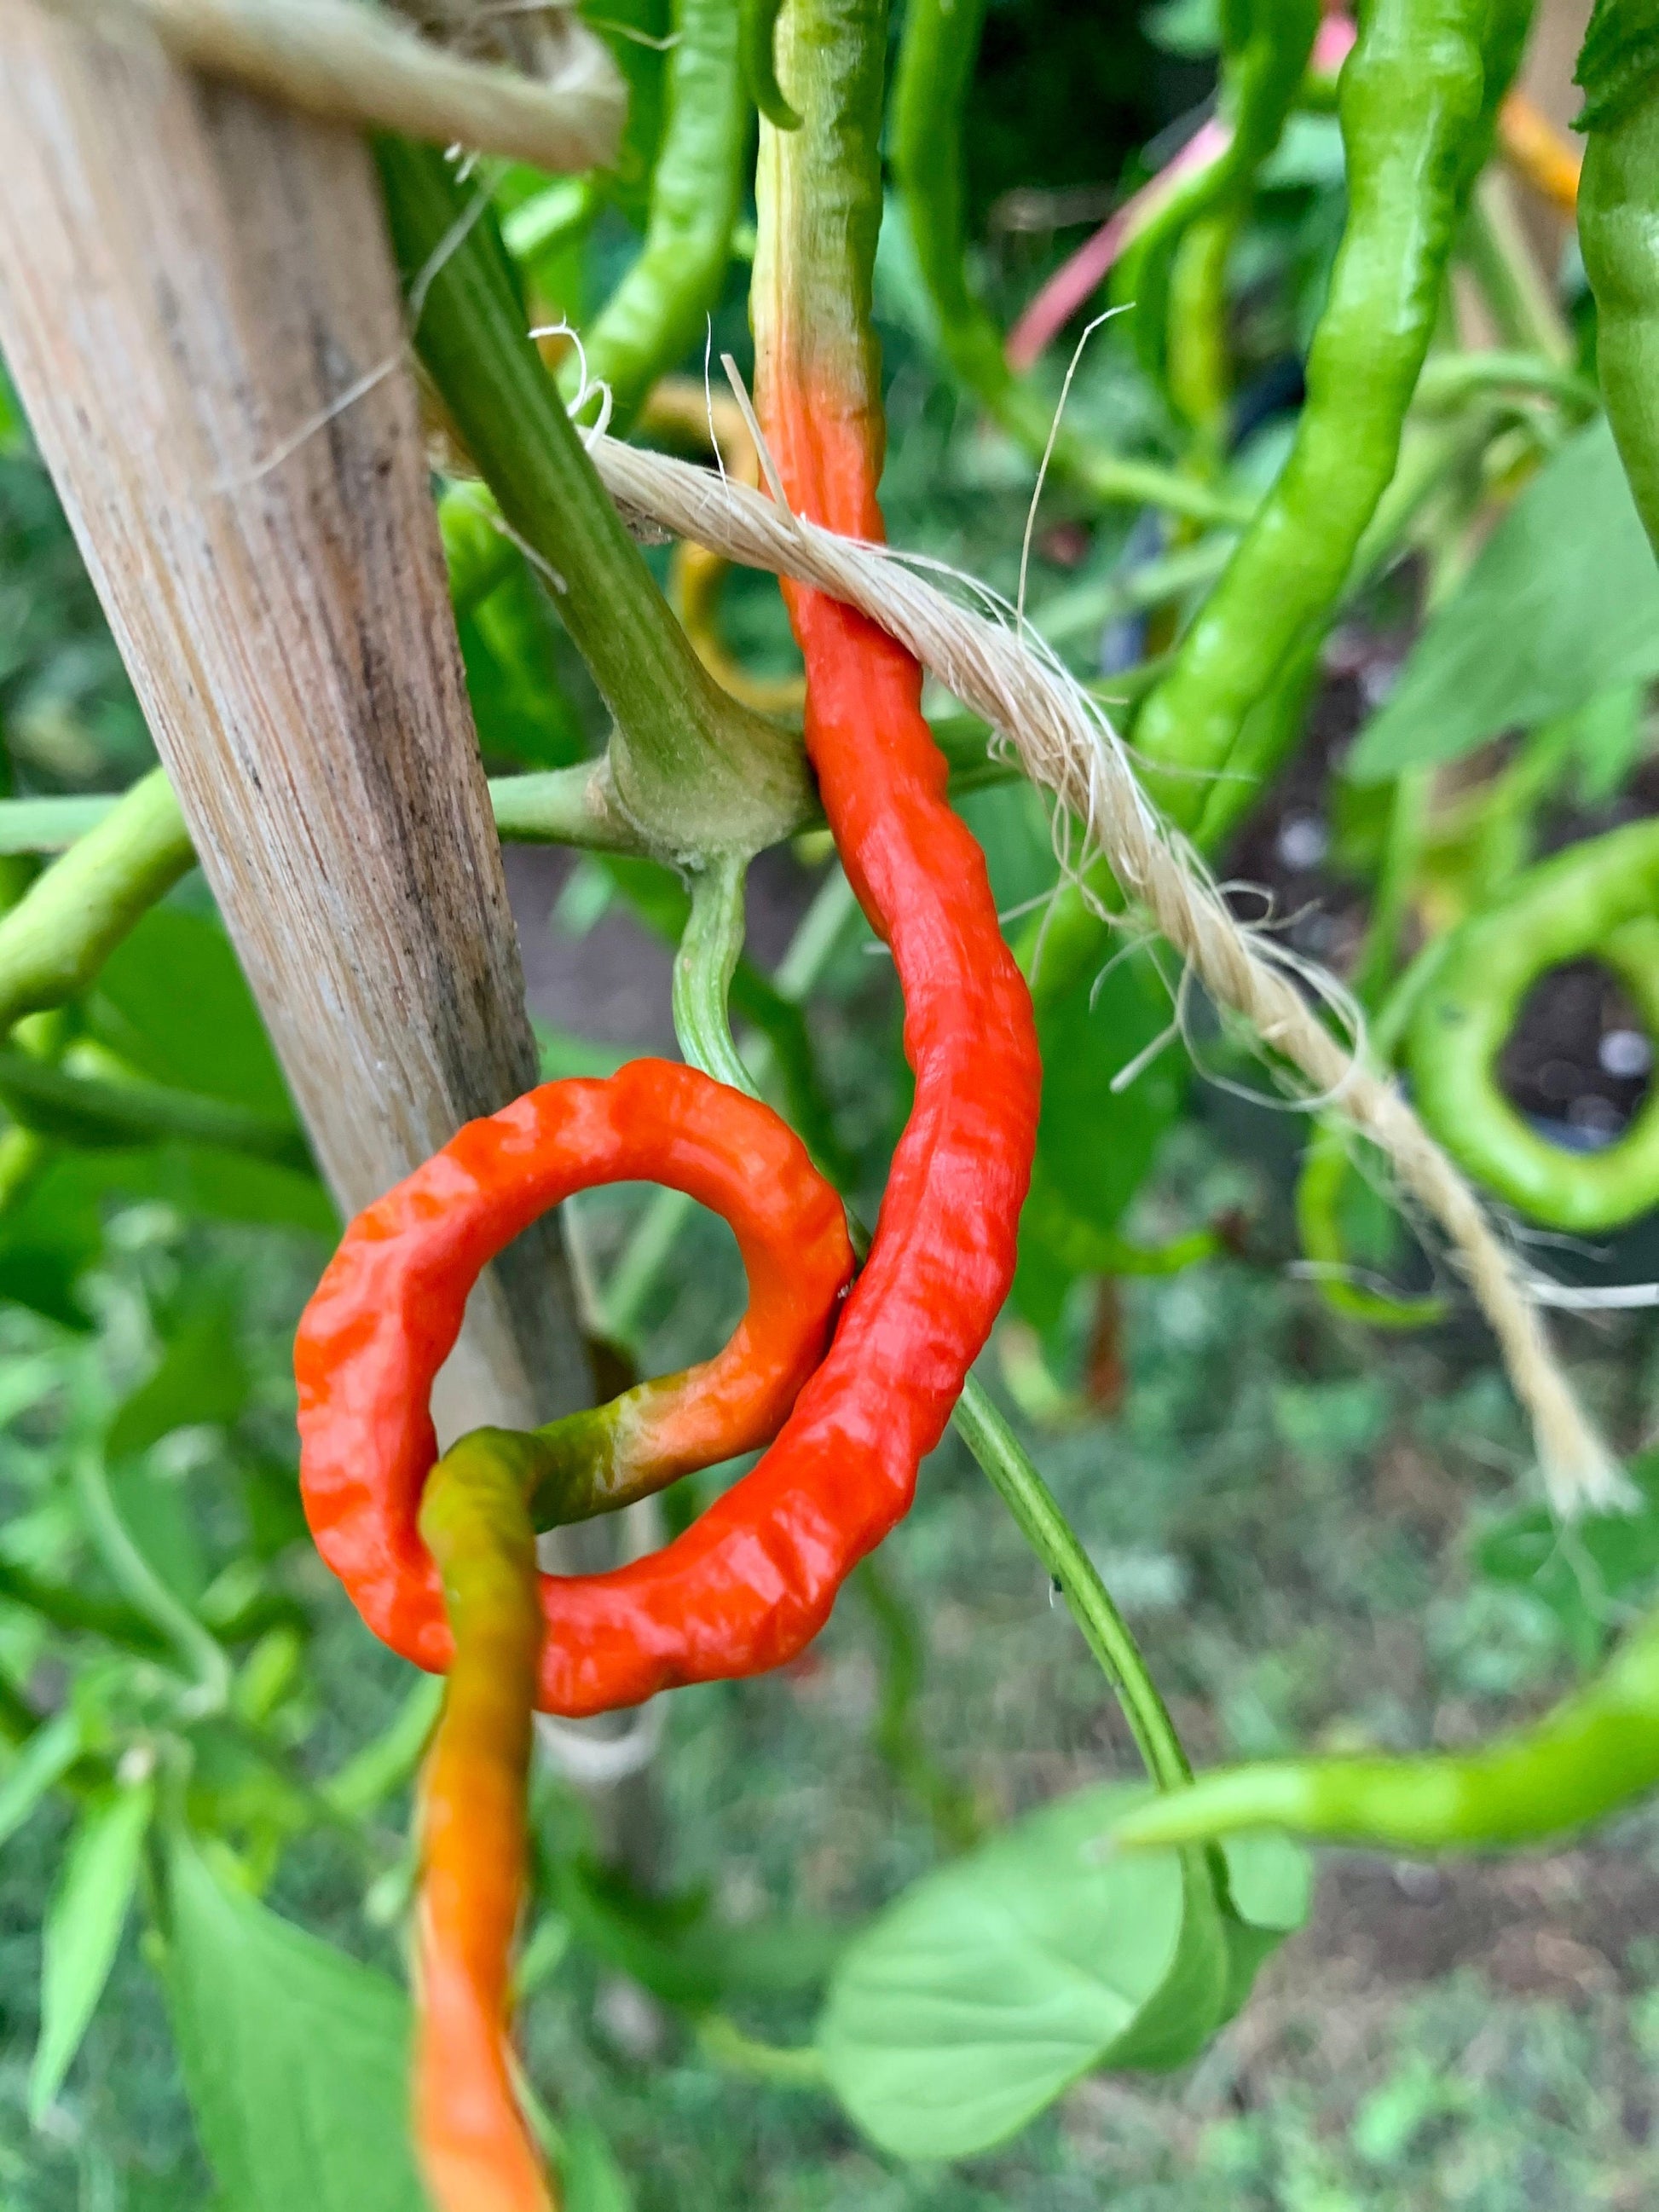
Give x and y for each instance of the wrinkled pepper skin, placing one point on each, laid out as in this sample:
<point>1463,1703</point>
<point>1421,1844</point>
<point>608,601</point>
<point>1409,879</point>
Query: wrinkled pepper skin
<point>751,1580</point>
<point>942,1253</point>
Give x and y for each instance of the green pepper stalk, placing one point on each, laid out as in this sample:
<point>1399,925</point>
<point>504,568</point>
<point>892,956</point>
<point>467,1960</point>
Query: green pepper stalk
<point>1266,46</point>
<point>690,771</point>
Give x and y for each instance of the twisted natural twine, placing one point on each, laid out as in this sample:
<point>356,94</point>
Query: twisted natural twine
<point>1065,745</point>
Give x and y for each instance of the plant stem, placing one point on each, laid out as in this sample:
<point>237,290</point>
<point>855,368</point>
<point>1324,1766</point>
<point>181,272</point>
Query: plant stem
<point>68,922</point>
<point>703,966</point>
<point>1050,1535</point>
<point>138,1582</point>
<point>695,773</point>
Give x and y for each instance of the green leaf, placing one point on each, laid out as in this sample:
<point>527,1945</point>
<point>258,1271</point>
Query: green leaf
<point>173,1002</point>
<point>991,1985</point>
<point>50,1235</point>
<point>593,2182</point>
<point>1561,605</point>
<point>44,1759</point>
<point>1607,740</point>
<point>197,1180</point>
<point>1587,1574</point>
<point>509,645</point>
<point>296,2059</point>
<point>201,1377</point>
<point>82,1929</point>
<point>1095,1145</point>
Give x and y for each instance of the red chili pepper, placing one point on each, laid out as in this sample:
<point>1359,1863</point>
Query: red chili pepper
<point>729,1596</point>
<point>942,1255</point>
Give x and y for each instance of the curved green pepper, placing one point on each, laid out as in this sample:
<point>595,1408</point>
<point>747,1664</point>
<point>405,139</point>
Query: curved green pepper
<point>1600,897</point>
<point>935,68</point>
<point>1595,1751</point>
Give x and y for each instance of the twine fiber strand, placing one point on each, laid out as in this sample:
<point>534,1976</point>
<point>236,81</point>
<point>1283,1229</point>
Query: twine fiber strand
<point>1065,745</point>
<point>347,63</point>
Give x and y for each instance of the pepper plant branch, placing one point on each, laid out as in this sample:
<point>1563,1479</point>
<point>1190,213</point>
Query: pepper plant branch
<point>693,771</point>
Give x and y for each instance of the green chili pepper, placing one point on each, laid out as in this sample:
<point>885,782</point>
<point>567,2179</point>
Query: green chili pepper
<point>1417,95</point>
<point>1618,193</point>
<point>1601,897</point>
<point>935,67</point>
<point>1595,1751</point>
<point>656,315</point>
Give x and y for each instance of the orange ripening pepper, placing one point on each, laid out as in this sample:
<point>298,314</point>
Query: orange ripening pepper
<point>734,1593</point>
<point>469,2135</point>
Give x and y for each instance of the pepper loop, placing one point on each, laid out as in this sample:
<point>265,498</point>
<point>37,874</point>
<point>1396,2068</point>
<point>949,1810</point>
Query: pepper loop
<point>754,1579</point>
<point>1600,897</point>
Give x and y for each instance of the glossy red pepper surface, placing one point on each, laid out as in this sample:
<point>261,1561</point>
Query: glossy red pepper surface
<point>727,1596</point>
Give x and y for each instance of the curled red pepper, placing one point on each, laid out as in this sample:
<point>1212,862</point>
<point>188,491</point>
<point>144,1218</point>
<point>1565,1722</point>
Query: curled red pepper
<point>743,1587</point>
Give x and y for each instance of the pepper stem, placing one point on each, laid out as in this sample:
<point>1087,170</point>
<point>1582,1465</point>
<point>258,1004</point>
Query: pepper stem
<point>693,772</point>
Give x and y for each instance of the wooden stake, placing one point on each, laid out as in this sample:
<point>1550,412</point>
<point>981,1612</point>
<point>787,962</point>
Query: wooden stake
<point>198,309</point>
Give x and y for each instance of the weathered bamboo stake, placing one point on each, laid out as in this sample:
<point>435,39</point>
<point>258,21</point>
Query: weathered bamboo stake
<point>198,309</point>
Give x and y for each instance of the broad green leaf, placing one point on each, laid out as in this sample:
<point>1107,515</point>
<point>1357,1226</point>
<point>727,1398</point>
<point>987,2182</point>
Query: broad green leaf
<point>44,1758</point>
<point>1561,605</point>
<point>197,1180</point>
<point>83,1930</point>
<point>173,1002</point>
<point>1607,740</point>
<point>296,2057</point>
<point>991,1985</point>
<point>50,1235</point>
<point>200,1378</point>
